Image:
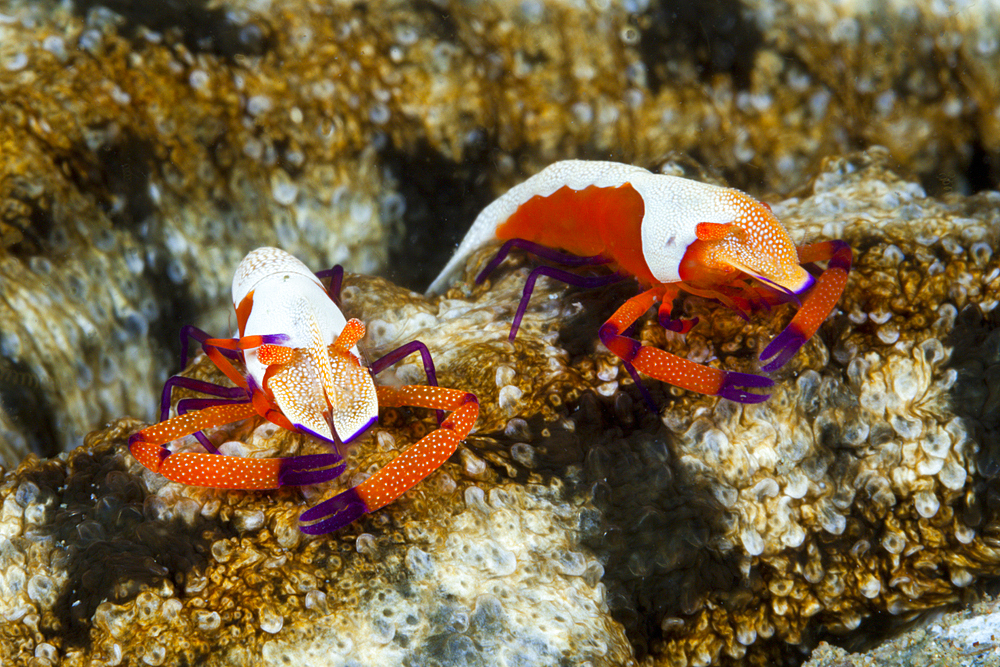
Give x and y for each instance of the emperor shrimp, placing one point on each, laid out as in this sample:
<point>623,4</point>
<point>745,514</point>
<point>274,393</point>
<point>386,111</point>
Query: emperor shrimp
<point>670,234</point>
<point>296,363</point>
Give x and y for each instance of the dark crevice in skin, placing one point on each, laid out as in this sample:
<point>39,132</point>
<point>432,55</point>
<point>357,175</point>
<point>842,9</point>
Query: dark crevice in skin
<point>203,26</point>
<point>26,404</point>
<point>653,525</point>
<point>442,198</point>
<point>116,176</point>
<point>976,392</point>
<point>975,397</point>
<point>965,174</point>
<point>176,309</point>
<point>715,35</point>
<point>122,176</point>
<point>110,548</point>
<point>121,180</point>
<point>438,23</point>
<point>35,227</point>
<point>983,170</point>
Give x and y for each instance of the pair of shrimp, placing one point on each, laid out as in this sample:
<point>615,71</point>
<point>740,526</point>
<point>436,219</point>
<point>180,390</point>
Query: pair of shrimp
<point>304,373</point>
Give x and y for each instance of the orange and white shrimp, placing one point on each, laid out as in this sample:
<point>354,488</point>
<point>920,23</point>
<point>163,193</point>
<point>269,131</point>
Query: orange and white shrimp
<point>303,372</point>
<point>670,234</point>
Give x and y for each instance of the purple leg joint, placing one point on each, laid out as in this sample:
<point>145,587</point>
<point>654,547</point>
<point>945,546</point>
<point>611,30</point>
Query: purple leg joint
<point>333,514</point>
<point>311,469</point>
<point>584,282</point>
<point>842,256</point>
<point>609,332</point>
<point>187,333</point>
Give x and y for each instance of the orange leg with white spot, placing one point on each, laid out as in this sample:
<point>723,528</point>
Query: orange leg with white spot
<point>407,469</point>
<point>665,312</point>
<point>228,472</point>
<point>818,304</point>
<point>216,470</point>
<point>668,367</point>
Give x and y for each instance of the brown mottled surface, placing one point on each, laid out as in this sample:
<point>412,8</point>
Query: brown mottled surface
<point>966,637</point>
<point>575,525</point>
<point>146,149</point>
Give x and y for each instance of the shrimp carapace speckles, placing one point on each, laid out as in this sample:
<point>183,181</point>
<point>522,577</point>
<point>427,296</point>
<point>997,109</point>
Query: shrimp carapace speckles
<point>670,234</point>
<point>296,363</point>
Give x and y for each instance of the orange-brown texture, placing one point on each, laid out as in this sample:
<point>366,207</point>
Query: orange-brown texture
<point>136,158</point>
<point>574,524</point>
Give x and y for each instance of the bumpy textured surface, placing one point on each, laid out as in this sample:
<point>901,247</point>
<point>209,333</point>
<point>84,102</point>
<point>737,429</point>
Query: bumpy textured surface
<point>223,579</point>
<point>145,152</point>
<point>139,167</point>
<point>967,637</point>
<point>574,526</point>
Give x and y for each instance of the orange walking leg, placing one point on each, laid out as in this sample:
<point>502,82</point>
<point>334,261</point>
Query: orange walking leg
<point>670,368</point>
<point>408,468</point>
<point>818,304</point>
<point>216,470</point>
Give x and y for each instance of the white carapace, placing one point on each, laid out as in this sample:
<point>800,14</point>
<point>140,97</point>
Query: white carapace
<point>321,393</point>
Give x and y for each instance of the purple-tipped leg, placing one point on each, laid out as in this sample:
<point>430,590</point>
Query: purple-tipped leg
<point>650,403</point>
<point>584,282</point>
<point>333,514</point>
<point>547,253</point>
<point>186,405</point>
<point>823,294</point>
<point>310,469</point>
<point>735,386</point>
<point>200,386</point>
<point>544,252</point>
<point>403,351</point>
<point>406,350</point>
<point>189,332</point>
<point>782,348</point>
<point>336,276</point>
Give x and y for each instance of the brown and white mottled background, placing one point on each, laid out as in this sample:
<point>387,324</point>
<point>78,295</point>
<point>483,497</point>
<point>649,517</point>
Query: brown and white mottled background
<point>145,149</point>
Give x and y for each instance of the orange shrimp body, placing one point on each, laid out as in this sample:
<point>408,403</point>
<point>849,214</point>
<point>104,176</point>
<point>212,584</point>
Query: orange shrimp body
<point>668,233</point>
<point>301,370</point>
